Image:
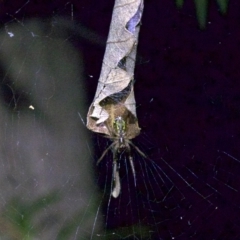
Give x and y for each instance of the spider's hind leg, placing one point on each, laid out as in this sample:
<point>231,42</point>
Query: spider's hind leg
<point>133,169</point>
<point>130,158</point>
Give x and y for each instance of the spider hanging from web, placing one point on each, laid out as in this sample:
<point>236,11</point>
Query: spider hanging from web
<point>120,134</point>
<point>120,125</point>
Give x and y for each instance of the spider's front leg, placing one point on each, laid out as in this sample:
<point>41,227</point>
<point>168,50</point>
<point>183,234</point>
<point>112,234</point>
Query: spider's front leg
<point>137,149</point>
<point>116,179</point>
<point>104,153</point>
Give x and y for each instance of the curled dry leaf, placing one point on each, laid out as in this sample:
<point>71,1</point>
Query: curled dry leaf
<point>115,93</point>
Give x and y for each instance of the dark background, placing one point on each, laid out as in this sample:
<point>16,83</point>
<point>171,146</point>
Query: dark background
<point>188,105</point>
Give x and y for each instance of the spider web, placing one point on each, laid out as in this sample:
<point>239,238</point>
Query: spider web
<point>188,109</point>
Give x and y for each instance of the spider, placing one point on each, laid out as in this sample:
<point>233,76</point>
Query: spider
<point>121,142</point>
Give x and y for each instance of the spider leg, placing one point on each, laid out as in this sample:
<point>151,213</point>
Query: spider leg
<point>137,149</point>
<point>116,179</point>
<point>130,158</point>
<point>104,153</point>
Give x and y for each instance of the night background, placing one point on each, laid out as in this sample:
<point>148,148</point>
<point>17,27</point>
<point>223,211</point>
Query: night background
<point>188,105</point>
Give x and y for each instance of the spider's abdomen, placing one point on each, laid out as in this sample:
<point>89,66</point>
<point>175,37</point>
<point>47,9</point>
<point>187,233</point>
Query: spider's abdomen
<point>119,126</point>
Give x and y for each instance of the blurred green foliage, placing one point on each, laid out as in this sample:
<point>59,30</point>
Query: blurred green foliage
<point>130,232</point>
<point>17,221</point>
<point>20,219</point>
<point>202,9</point>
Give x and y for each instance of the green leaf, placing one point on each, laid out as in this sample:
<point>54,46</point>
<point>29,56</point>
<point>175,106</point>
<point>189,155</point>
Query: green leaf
<point>223,5</point>
<point>19,214</point>
<point>179,3</point>
<point>42,202</point>
<point>140,232</point>
<point>201,10</point>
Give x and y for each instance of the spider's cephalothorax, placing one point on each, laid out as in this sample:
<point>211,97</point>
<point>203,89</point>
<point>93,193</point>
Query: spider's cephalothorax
<point>120,143</point>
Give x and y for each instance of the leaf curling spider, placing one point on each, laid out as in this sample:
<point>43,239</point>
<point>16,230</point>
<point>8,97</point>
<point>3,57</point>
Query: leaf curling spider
<point>121,142</point>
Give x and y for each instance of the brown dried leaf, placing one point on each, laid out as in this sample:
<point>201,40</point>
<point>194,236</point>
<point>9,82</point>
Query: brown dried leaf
<point>114,95</point>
